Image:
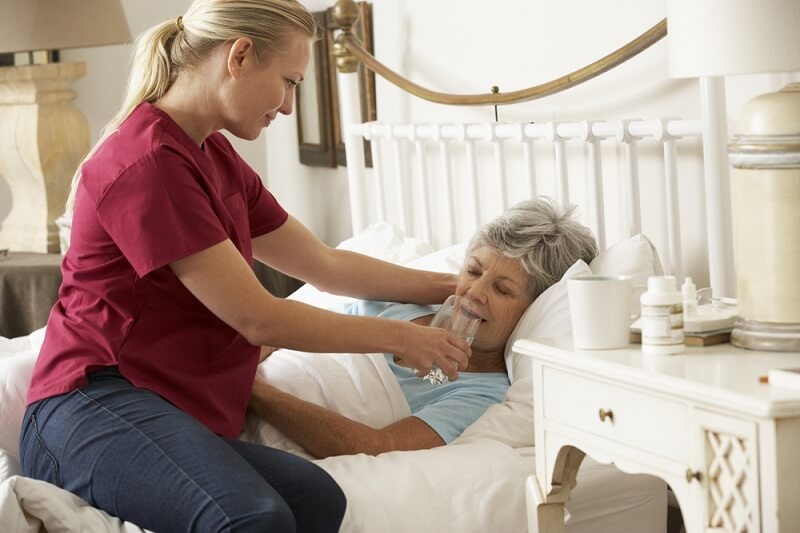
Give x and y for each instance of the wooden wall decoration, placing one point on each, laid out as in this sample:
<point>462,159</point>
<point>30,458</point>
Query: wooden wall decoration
<point>319,129</point>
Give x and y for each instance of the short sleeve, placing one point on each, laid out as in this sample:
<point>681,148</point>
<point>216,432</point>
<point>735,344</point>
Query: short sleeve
<point>450,414</point>
<point>159,211</point>
<point>265,212</point>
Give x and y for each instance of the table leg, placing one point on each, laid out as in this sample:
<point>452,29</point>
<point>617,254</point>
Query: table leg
<point>546,513</point>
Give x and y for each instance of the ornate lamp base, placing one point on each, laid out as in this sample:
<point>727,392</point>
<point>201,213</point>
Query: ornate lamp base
<point>765,186</point>
<point>43,138</point>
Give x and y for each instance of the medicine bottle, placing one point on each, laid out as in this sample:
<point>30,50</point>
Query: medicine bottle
<point>662,317</point>
<point>689,294</point>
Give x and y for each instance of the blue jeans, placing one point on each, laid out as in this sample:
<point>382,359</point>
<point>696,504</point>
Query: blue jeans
<point>136,456</point>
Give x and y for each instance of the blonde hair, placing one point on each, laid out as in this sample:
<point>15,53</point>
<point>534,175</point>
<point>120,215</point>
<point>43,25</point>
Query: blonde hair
<point>163,51</point>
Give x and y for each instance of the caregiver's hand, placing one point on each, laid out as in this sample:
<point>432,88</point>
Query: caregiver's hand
<point>426,347</point>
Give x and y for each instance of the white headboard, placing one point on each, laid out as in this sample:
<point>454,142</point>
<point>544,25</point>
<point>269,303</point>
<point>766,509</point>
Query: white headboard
<point>440,182</point>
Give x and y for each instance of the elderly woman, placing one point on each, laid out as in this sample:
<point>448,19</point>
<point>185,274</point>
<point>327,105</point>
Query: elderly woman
<point>509,263</point>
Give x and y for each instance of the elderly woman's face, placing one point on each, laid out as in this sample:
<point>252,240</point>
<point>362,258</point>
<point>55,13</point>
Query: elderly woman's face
<point>498,286</point>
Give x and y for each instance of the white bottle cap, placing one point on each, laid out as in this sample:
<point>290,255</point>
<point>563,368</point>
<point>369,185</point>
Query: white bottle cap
<point>661,283</point>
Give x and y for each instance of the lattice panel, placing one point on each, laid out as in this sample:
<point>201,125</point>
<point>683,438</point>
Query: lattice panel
<point>730,482</point>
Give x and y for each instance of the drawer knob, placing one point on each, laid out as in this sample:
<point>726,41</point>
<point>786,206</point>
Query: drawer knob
<point>606,414</point>
<point>693,475</point>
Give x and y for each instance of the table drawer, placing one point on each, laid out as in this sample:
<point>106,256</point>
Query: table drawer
<point>631,417</point>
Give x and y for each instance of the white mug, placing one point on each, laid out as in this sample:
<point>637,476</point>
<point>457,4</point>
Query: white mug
<point>600,311</point>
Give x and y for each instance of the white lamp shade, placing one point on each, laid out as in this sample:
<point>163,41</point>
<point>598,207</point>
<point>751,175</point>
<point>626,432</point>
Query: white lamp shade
<point>29,25</point>
<point>721,37</point>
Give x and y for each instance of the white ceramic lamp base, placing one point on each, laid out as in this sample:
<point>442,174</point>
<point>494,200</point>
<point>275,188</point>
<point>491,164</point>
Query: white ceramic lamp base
<point>765,184</point>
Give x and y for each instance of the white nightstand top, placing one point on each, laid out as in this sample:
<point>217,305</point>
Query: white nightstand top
<point>718,375</point>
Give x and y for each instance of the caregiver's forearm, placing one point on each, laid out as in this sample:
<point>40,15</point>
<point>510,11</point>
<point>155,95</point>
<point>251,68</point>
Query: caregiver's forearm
<point>367,278</point>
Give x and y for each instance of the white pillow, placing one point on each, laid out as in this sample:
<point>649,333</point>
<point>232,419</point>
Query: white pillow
<point>636,257</point>
<point>388,242</point>
<point>547,316</point>
<point>448,259</point>
<point>17,357</point>
<point>9,466</point>
<point>381,240</point>
<point>15,377</point>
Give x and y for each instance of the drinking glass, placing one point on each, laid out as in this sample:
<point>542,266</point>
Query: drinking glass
<point>457,316</point>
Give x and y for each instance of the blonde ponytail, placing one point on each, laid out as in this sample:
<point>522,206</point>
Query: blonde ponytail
<point>164,50</point>
<point>148,81</point>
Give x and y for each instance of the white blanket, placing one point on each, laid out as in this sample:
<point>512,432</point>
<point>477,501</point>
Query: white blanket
<point>31,506</point>
<point>461,487</point>
<point>358,386</point>
<point>474,485</point>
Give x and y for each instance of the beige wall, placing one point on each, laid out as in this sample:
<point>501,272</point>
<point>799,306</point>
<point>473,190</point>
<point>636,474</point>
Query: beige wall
<point>448,45</point>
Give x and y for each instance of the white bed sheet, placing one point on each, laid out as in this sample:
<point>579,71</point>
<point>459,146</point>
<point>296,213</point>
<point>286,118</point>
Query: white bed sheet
<point>476,484</point>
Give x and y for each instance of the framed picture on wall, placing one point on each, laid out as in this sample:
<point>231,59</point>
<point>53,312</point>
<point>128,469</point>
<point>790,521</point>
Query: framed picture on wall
<point>318,125</point>
<point>313,107</point>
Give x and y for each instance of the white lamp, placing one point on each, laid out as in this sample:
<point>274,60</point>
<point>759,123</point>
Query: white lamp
<point>727,37</point>
<point>43,136</point>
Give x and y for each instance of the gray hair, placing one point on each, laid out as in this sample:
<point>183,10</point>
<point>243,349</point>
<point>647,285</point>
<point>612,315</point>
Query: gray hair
<point>544,237</point>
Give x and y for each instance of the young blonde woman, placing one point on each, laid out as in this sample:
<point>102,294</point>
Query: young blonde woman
<point>143,380</point>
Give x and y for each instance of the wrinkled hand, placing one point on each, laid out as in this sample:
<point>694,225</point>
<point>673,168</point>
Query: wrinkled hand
<point>427,347</point>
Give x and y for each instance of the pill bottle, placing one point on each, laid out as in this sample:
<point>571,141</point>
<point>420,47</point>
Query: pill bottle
<point>662,317</point>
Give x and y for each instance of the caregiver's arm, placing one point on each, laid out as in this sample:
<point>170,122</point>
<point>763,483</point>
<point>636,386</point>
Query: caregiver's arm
<point>324,433</point>
<point>348,273</point>
<point>222,280</point>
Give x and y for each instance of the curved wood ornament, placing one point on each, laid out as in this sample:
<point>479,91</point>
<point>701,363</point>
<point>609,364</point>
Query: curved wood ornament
<point>550,514</point>
<point>565,472</point>
<point>348,41</point>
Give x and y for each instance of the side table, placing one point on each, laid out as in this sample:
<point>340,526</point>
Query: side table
<point>702,421</point>
<point>29,285</point>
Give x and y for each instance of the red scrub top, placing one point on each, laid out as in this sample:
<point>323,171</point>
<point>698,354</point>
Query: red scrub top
<point>148,197</point>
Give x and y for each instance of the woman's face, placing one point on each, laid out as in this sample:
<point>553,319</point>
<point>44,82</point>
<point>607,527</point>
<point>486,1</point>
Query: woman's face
<point>498,288</point>
<point>261,89</point>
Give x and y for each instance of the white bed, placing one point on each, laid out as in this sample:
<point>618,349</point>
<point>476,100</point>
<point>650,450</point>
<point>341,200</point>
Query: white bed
<point>476,484</point>
<point>430,172</point>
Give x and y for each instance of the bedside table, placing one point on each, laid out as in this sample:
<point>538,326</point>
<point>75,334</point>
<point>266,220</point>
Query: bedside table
<point>725,443</point>
<point>29,285</point>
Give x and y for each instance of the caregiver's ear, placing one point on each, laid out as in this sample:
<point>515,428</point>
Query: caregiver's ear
<point>241,51</point>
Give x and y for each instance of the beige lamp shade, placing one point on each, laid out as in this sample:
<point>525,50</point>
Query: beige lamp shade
<point>721,37</point>
<point>28,25</point>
